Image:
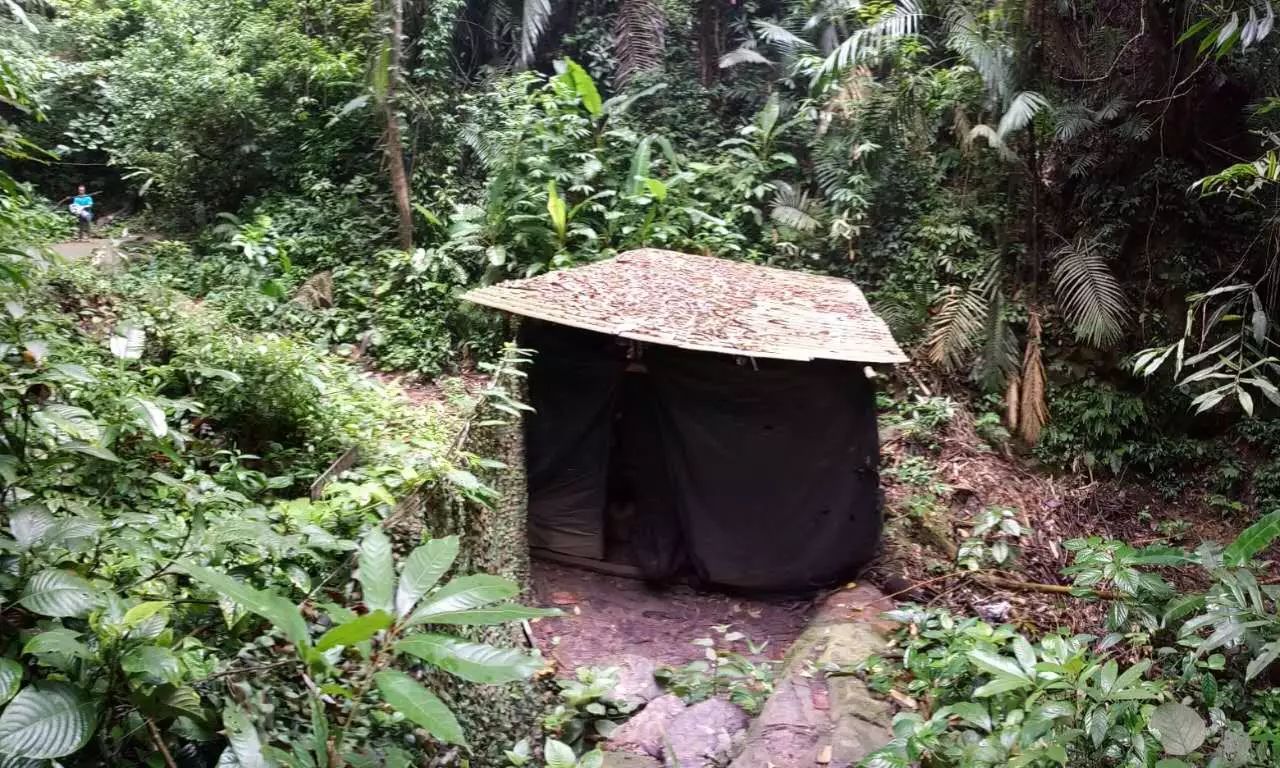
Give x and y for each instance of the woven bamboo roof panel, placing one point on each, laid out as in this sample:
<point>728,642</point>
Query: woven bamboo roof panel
<point>706,304</point>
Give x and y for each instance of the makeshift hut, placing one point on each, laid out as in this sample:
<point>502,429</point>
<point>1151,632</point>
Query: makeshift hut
<point>700,417</point>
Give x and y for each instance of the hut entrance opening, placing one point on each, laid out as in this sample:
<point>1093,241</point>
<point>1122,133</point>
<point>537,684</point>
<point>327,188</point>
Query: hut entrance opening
<point>672,464</point>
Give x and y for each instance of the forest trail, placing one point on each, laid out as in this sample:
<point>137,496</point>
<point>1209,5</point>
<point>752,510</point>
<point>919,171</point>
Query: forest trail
<point>77,250</point>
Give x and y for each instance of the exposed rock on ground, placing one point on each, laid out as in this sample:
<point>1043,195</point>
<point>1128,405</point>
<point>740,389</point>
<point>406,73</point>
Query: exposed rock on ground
<point>644,733</point>
<point>705,735</point>
<point>824,723</point>
<point>807,722</point>
<point>636,683</point>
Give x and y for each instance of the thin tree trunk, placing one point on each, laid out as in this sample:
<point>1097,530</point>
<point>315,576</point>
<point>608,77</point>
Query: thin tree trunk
<point>391,134</point>
<point>710,46</point>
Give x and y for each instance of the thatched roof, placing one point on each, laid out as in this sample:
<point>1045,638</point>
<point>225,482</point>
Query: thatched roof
<point>706,304</point>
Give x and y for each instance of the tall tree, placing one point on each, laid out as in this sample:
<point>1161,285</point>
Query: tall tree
<point>386,88</point>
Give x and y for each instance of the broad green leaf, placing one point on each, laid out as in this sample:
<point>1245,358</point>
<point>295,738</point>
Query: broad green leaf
<point>473,662</point>
<point>1253,539</point>
<point>422,570</point>
<point>153,663</point>
<point>30,525</point>
<point>1026,655</point>
<point>1001,685</point>
<point>556,209</point>
<point>974,714</point>
<point>319,731</point>
<point>495,614</point>
<point>55,592</point>
<point>1179,728</point>
<point>584,86</point>
<point>420,705</point>
<point>996,664</point>
<point>356,631</point>
<point>270,606</point>
<point>463,594</point>
<point>47,720</point>
<point>58,640</point>
<point>128,343</point>
<point>376,572</point>
<point>150,416</point>
<point>10,679</point>
<point>243,740</point>
<point>143,611</point>
<point>559,754</point>
<point>89,449</point>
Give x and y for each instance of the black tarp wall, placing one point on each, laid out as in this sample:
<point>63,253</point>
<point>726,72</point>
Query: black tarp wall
<point>754,474</point>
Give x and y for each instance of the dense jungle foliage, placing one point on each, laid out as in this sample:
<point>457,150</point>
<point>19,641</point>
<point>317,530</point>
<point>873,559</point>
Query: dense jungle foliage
<point>1066,209</point>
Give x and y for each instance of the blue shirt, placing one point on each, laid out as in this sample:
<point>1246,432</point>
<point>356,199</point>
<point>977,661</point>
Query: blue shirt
<point>84,201</point>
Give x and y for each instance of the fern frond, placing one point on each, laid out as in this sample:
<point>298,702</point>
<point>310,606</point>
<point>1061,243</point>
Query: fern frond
<point>1088,293</point>
<point>1022,110</point>
<point>903,319</point>
<point>1136,128</point>
<point>640,38</point>
<point>871,41</point>
<point>957,319</point>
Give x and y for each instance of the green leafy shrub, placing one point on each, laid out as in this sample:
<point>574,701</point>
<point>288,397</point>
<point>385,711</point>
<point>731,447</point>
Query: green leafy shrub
<point>586,713</point>
<point>732,668</point>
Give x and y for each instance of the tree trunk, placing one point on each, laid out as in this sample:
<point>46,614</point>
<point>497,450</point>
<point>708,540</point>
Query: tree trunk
<point>710,45</point>
<point>391,134</point>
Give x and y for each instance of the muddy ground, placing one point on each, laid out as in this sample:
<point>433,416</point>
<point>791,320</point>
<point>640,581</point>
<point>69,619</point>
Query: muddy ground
<point>609,616</point>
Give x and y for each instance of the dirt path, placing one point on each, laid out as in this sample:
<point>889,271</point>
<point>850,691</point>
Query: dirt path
<point>79,250</point>
<point>607,617</point>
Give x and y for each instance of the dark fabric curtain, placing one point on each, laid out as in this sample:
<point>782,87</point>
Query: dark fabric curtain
<point>573,387</point>
<point>758,476</point>
<point>773,465</point>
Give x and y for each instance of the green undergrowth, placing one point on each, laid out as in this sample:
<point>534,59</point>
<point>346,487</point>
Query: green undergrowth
<point>172,592</point>
<point>1179,678</point>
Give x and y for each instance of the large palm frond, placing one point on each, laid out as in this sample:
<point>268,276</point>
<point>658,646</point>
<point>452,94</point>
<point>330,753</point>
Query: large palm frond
<point>1088,293</point>
<point>794,209</point>
<point>872,40</point>
<point>639,33</point>
<point>535,15</point>
<point>1021,111</point>
<point>1073,121</point>
<point>989,59</point>
<point>998,358</point>
<point>743,54</point>
<point>958,317</point>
